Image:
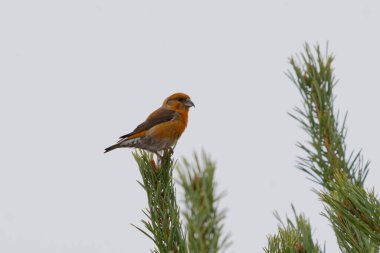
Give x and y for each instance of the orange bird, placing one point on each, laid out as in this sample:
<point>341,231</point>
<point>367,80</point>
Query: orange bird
<point>162,129</point>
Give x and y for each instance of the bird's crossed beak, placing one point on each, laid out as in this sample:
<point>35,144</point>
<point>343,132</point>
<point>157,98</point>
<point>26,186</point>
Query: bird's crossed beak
<point>189,103</point>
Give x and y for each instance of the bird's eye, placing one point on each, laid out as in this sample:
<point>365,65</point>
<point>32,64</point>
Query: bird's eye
<point>181,99</point>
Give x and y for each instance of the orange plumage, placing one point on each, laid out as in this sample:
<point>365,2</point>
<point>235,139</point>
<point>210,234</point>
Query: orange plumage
<point>163,127</point>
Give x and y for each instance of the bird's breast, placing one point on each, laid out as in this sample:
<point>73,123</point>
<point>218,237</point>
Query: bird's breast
<point>171,130</point>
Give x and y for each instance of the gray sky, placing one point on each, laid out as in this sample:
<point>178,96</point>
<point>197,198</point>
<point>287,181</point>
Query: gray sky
<point>75,75</point>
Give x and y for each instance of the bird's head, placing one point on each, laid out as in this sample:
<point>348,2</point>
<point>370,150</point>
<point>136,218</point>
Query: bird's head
<point>178,101</point>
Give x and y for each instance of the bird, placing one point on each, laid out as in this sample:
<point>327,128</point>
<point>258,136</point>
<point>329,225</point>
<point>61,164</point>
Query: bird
<point>162,129</point>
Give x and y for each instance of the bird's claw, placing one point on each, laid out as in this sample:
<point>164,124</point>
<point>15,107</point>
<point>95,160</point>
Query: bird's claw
<point>168,152</point>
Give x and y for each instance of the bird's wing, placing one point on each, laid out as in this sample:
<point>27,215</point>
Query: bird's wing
<point>157,117</point>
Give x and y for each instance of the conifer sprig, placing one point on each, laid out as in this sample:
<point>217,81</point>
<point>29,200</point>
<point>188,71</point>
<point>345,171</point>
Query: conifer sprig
<point>354,214</point>
<point>352,211</point>
<point>326,151</point>
<point>204,219</point>
<point>293,237</point>
<point>162,215</point>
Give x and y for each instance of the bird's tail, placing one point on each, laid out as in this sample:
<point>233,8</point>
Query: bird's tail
<point>117,145</point>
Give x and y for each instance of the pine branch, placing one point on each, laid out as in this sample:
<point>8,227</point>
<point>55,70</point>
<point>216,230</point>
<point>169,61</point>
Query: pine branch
<point>204,219</point>
<point>353,212</point>
<point>162,215</point>
<point>293,237</point>
<point>326,150</point>
<point>355,216</point>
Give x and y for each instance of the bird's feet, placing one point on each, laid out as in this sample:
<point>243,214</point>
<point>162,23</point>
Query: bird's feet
<point>168,152</point>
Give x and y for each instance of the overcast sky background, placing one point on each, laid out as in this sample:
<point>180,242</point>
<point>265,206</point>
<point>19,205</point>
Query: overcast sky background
<point>76,75</point>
